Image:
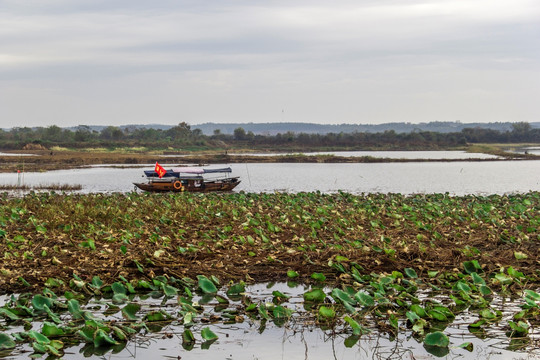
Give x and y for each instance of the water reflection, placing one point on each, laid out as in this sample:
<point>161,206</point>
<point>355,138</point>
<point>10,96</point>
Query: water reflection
<point>301,337</point>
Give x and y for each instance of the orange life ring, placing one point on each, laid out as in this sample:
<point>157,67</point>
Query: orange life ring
<point>177,185</point>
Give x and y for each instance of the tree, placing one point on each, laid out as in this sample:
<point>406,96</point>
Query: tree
<point>239,133</point>
<point>83,133</point>
<point>112,133</point>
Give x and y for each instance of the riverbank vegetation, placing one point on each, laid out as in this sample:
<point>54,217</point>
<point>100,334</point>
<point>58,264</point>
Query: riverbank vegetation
<point>184,137</point>
<point>63,158</point>
<point>387,262</point>
<point>49,187</point>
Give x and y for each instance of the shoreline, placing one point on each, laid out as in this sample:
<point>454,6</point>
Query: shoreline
<point>65,160</point>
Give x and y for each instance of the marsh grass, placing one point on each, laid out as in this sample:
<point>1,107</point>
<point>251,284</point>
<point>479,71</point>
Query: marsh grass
<point>52,187</point>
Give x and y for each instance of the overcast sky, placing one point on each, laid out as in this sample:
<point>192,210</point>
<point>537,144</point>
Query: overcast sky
<point>117,62</point>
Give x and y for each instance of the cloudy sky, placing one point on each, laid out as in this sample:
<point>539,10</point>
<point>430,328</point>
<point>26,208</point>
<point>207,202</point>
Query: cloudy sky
<point>115,62</point>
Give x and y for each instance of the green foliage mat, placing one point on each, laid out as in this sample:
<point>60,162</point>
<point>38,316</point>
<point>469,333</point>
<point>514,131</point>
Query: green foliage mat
<point>47,238</point>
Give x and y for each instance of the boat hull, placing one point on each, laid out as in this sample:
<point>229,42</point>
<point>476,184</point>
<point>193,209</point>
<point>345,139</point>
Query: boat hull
<point>190,186</point>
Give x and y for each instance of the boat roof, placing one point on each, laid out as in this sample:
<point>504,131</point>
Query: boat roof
<point>175,172</point>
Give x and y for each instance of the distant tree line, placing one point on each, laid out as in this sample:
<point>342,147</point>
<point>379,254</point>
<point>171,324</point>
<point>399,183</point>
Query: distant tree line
<point>184,137</point>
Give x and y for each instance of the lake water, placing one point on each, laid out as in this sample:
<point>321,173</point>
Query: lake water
<point>456,178</point>
<point>432,155</point>
<point>298,338</point>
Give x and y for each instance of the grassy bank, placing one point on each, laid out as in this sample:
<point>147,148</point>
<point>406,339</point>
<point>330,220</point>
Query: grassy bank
<point>60,158</point>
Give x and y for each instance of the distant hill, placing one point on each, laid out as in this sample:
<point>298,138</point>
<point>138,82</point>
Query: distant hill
<point>274,128</point>
<point>311,128</point>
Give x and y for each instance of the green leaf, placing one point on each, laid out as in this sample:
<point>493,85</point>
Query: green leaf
<point>119,298</point>
<point>51,282</point>
<point>502,279</point>
<point>87,333</point>
<point>485,290</point>
<point>39,301</point>
<point>8,314</point>
<point>463,286</point>
<point>343,296</point>
<point>394,321</point>
<point>38,337</point>
<point>169,290</point>
<point>514,273</point>
<point>437,339</point>
<point>520,256</point>
<point>318,276</point>
<point>208,335</point>
<point>412,316</point>
<point>357,328</point>
<point>467,346</point>
<point>532,295</point>
<point>237,289</point>
<point>157,316</point>
<point>315,295</point>
<point>410,273</point>
<point>52,315</point>
<point>292,274</point>
<point>419,326</point>
<point>52,330</point>
<point>326,313</point>
<point>364,299</point>
<point>187,336</point>
<point>263,312</point>
<point>6,342</point>
<point>520,328</point>
<point>75,309</point>
<point>206,285</point>
<point>477,279</point>
<point>437,315</point>
<point>129,311</point>
<point>119,288</point>
<point>101,338</point>
<point>351,341</point>
<point>281,312</point>
<point>488,314</point>
<point>119,333</point>
<point>471,266</point>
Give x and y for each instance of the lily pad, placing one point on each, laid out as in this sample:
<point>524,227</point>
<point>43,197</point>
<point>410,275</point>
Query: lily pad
<point>208,334</point>
<point>101,338</point>
<point>326,313</point>
<point>6,342</point>
<point>206,285</point>
<point>318,276</point>
<point>437,339</point>
<point>315,295</point>
<point>129,311</point>
<point>292,274</point>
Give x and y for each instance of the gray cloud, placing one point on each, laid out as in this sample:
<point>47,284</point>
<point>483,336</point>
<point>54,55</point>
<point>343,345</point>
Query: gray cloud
<point>115,62</point>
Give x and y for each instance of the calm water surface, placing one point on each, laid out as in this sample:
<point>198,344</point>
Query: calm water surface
<point>296,339</point>
<point>457,178</point>
<point>432,155</point>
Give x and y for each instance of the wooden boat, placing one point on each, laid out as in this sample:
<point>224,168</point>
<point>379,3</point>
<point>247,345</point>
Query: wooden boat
<point>189,179</point>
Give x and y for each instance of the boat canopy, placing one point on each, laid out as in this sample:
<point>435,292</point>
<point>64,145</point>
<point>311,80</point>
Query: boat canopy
<point>152,173</point>
<point>198,170</point>
<point>175,172</point>
<point>220,170</point>
<point>188,170</point>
